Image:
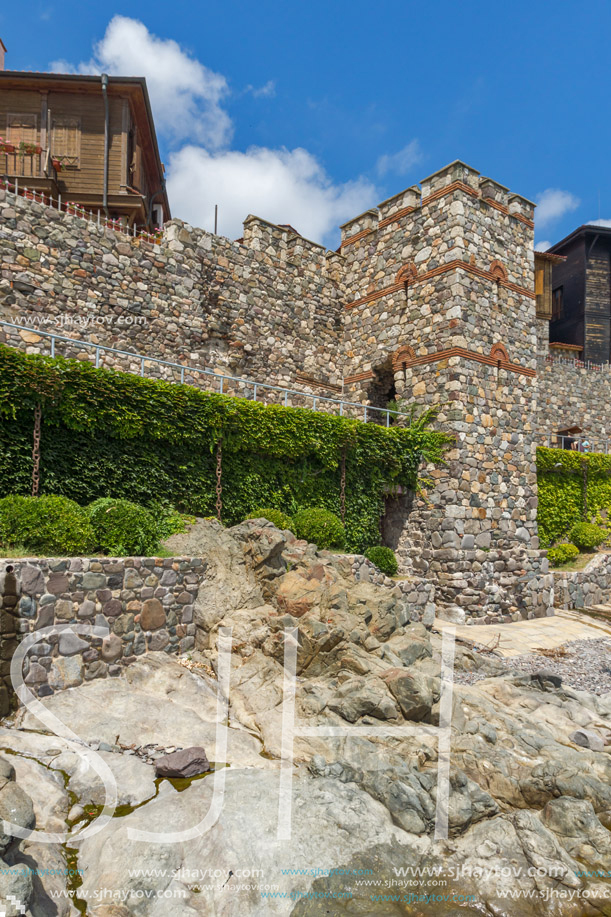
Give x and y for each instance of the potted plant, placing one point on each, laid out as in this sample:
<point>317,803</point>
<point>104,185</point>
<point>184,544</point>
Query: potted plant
<point>56,165</point>
<point>29,149</point>
<point>76,210</point>
<point>6,147</point>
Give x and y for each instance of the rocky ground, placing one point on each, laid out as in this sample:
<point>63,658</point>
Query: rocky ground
<point>581,664</point>
<point>529,808</point>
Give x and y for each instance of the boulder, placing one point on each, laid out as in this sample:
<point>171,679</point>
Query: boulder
<point>453,613</point>
<point>577,828</point>
<point>357,698</point>
<point>186,763</point>
<point>587,738</point>
<point>16,888</point>
<point>15,807</point>
<point>296,595</point>
<point>412,691</point>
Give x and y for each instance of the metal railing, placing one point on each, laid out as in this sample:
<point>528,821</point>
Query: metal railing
<point>577,443</point>
<point>272,394</point>
<point>72,208</point>
<point>551,360</point>
<point>218,382</point>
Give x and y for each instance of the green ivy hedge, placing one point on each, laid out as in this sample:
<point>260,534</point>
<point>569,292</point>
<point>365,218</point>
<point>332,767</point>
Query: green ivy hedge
<point>110,433</point>
<point>573,487</point>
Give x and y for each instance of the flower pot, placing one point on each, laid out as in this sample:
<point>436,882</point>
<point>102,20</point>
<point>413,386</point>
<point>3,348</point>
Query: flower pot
<point>29,149</point>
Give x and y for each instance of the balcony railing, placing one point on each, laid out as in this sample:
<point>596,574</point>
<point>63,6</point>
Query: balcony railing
<point>22,164</point>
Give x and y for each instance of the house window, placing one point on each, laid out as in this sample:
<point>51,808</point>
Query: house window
<point>22,129</point>
<point>557,303</point>
<point>66,141</point>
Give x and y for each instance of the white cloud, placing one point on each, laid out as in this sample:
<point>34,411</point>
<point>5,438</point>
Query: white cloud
<point>267,91</point>
<point>185,95</point>
<point>542,246</point>
<point>605,223</point>
<point>401,162</point>
<point>552,204</point>
<point>282,186</point>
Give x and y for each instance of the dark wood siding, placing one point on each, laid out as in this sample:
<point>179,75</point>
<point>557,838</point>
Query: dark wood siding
<point>569,328</point>
<point>598,302</point>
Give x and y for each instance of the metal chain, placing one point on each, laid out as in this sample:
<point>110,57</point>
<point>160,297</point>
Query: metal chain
<point>219,483</point>
<point>342,489</point>
<point>36,451</point>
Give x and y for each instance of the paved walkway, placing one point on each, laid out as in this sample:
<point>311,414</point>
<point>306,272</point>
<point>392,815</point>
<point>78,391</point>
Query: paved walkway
<point>524,637</point>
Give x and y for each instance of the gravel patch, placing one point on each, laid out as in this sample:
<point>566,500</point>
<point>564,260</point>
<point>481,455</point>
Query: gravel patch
<point>582,664</point>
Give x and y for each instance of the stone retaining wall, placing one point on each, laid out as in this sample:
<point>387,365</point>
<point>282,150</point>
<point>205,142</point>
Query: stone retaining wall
<point>145,602</point>
<point>584,588</point>
<point>418,592</point>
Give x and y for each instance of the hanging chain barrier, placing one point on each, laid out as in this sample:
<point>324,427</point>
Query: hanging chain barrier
<point>219,482</point>
<point>342,486</point>
<point>36,451</point>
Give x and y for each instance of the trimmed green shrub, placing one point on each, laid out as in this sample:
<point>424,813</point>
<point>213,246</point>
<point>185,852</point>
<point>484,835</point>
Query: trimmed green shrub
<point>169,520</point>
<point>561,554</point>
<point>105,432</point>
<point>123,528</point>
<point>319,526</point>
<point>275,516</point>
<point>587,536</point>
<point>50,525</point>
<point>383,558</point>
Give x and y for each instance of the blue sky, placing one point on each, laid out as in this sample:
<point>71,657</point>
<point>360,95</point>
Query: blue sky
<point>309,113</point>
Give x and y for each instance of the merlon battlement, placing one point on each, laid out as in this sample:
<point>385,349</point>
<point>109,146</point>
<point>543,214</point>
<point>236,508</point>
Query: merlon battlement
<point>456,177</point>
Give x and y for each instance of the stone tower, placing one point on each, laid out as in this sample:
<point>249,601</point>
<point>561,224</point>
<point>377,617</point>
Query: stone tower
<point>441,311</point>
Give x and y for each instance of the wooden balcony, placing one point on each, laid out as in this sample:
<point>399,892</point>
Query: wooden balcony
<point>30,170</point>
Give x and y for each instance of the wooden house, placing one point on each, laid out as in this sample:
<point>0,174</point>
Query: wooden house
<point>581,294</point>
<point>89,140</point>
<point>544,262</point>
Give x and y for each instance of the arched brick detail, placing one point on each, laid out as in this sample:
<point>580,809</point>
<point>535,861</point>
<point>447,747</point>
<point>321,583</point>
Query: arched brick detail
<point>404,354</point>
<point>407,274</point>
<point>498,271</point>
<point>499,353</point>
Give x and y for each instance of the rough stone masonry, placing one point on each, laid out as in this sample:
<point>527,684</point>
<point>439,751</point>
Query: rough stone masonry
<point>430,298</point>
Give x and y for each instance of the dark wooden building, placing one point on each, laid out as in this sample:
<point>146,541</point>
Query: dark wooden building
<point>89,139</point>
<point>581,293</point>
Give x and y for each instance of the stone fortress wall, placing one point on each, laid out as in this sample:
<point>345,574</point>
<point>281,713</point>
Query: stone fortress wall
<point>266,307</point>
<point>430,298</point>
<point>571,394</point>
